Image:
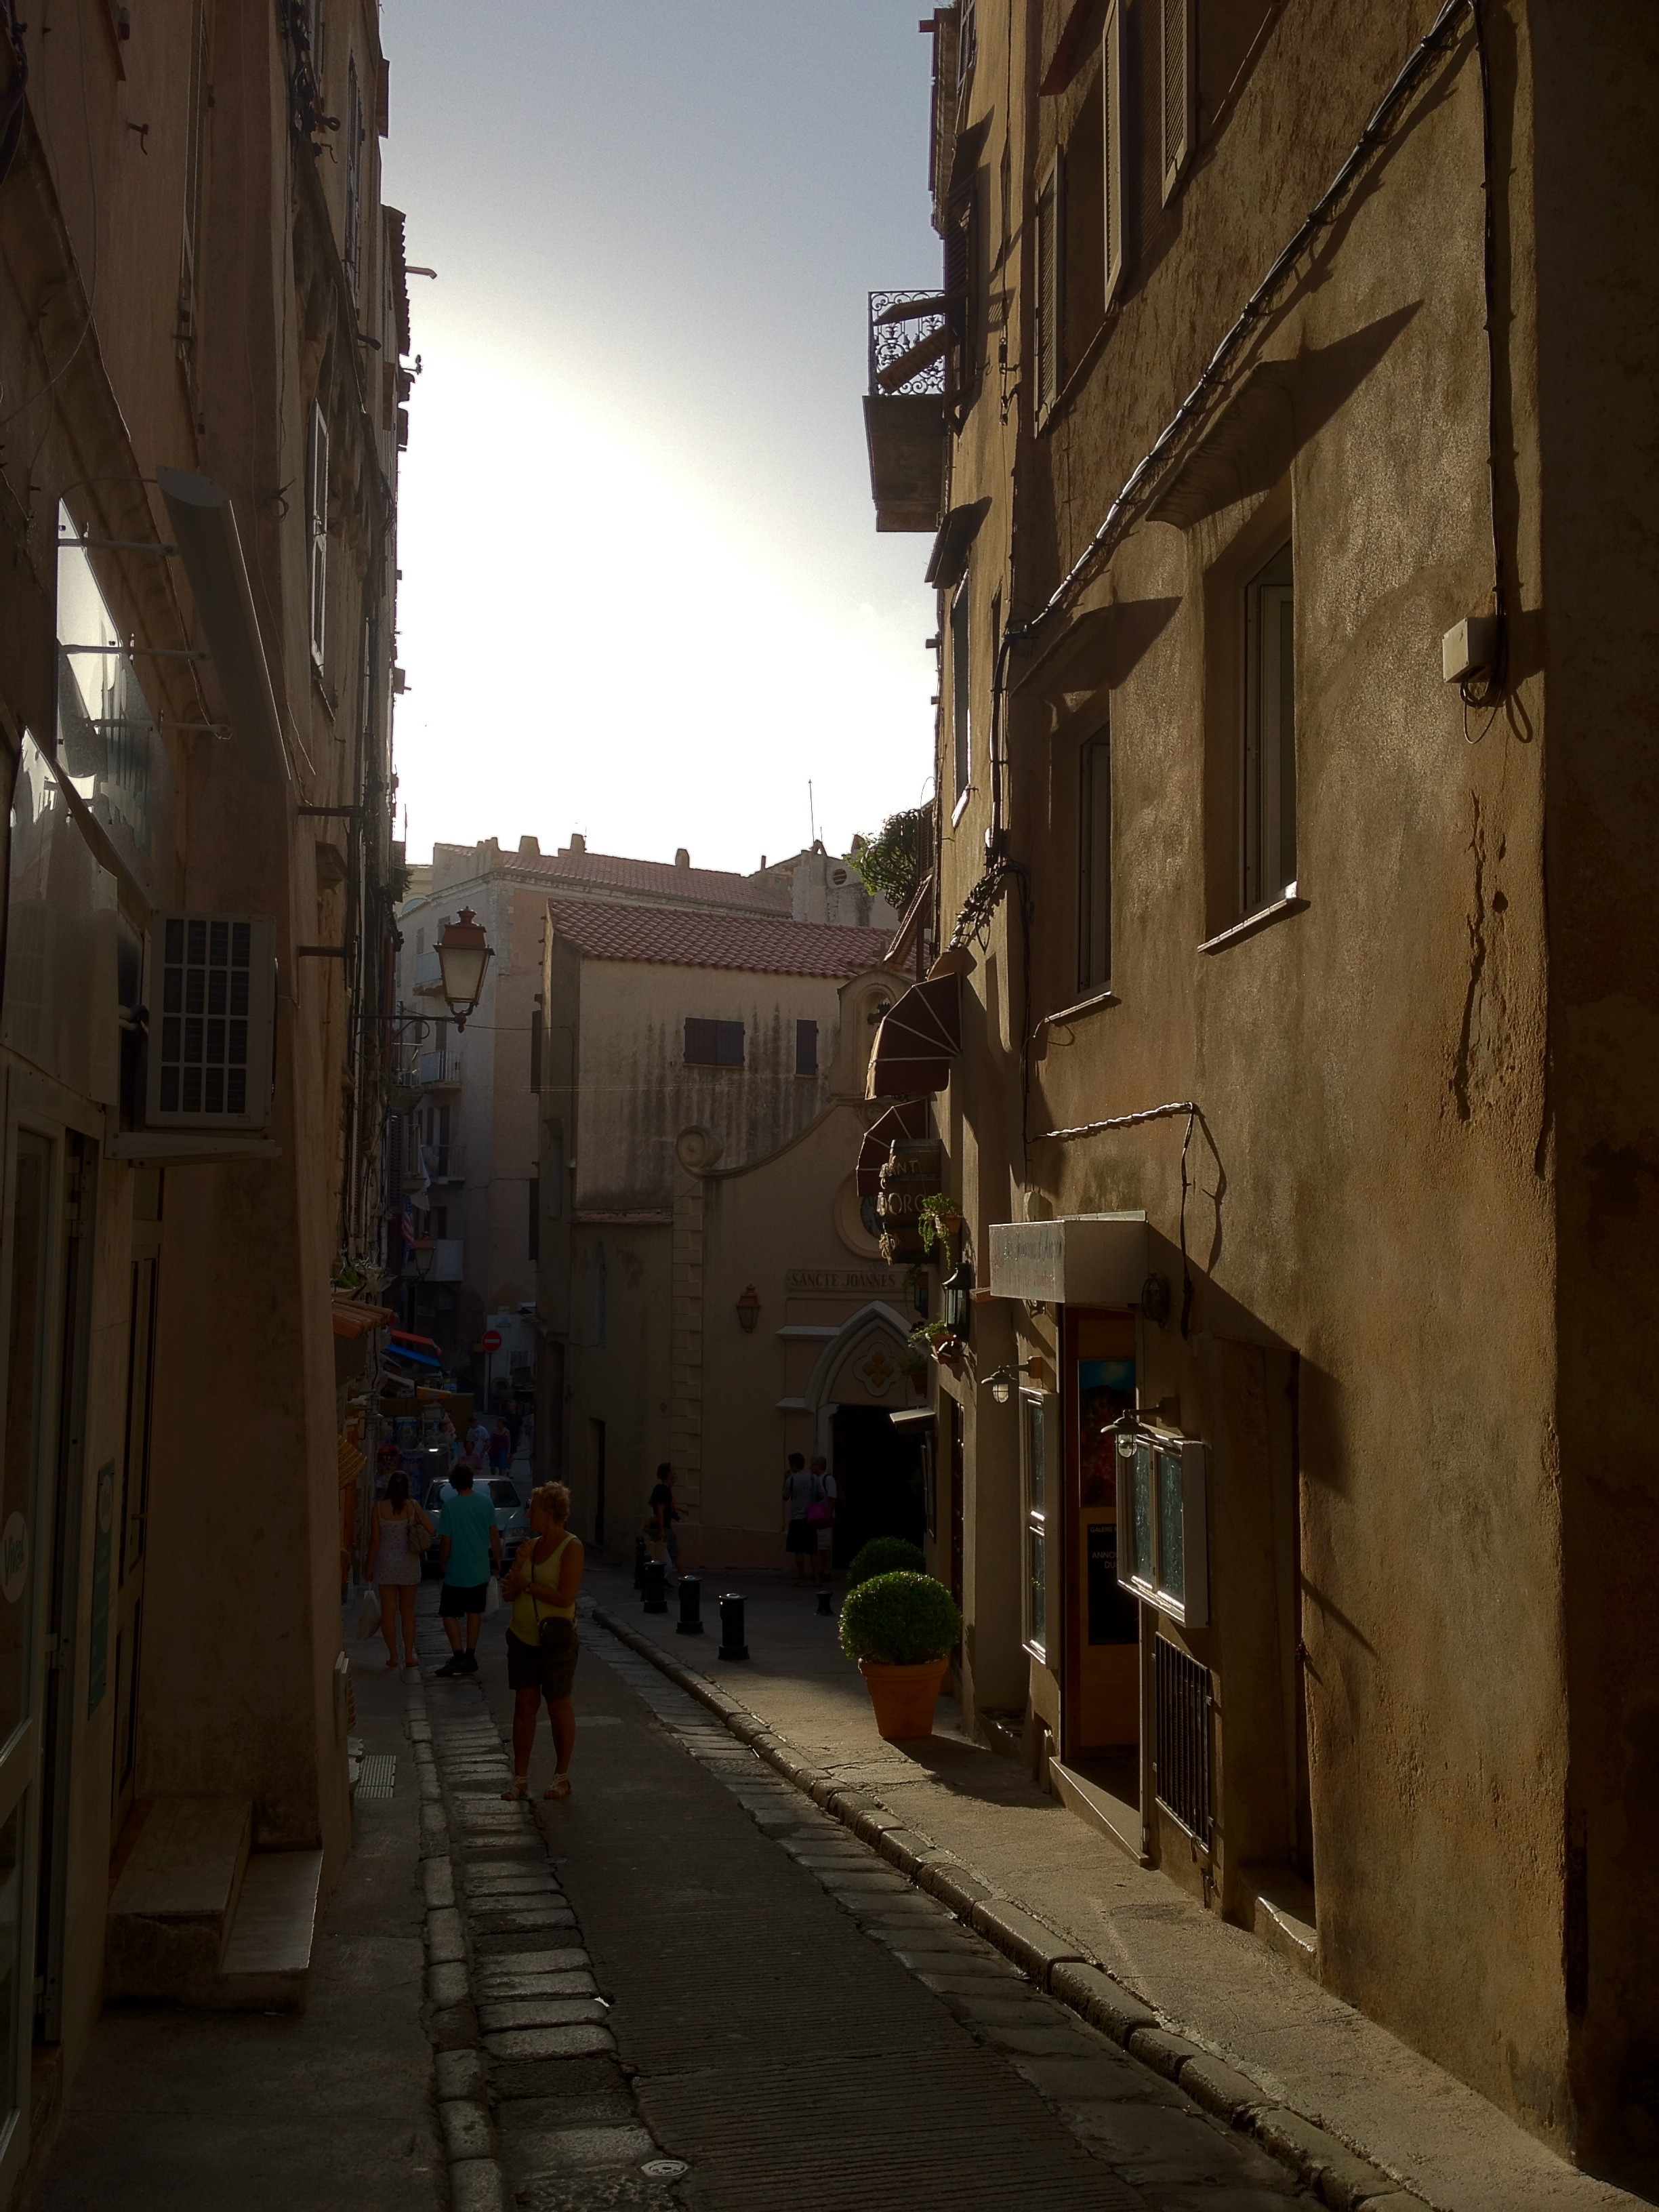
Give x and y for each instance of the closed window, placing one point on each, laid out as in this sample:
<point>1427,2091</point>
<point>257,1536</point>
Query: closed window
<point>536,1048</point>
<point>317,529</point>
<point>1045,321</point>
<point>535,1218</point>
<point>1094,870</point>
<point>961,722</point>
<point>353,178</point>
<point>1177,58</point>
<point>713,1044</point>
<point>1267,753</point>
<point>1111,161</point>
<point>806,1048</point>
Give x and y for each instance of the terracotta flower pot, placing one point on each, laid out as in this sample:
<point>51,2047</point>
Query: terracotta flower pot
<point>903,1697</point>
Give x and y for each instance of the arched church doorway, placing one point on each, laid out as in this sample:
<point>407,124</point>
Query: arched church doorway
<point>878,1471</point>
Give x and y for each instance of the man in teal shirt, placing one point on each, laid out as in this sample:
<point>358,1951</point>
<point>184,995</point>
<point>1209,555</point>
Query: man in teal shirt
<point>470,1546</point>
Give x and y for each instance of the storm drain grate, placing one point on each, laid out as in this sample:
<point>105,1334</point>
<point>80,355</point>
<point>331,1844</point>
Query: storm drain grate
<point>376,1776</point>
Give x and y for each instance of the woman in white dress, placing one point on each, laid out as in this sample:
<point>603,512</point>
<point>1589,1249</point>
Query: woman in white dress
<point>394,1564</point>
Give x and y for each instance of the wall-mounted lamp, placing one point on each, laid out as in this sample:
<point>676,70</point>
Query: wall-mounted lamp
<point>1001,1381</point>
<point>422,1253</point>
<point>464,955</point>
<point>748,1306</point>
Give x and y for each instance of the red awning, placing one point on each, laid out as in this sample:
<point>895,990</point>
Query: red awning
<point>419,1343</point>
<point>920,1036</point>
<point>909,1119</point>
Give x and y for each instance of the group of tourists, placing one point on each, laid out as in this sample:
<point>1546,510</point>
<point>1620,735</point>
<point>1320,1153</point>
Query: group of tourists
<point>809,1512</point>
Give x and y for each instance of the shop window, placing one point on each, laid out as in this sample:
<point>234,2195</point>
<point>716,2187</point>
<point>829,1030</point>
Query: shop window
<point>1094,870</point>
<point>1267,752</point>
<point>713,1044</point>
<point>1161,1480</point>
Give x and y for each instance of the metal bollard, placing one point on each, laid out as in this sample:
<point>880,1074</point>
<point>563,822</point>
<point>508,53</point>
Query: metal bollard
<point>656,1586</point>
<point>732,1643</point>
<point>824,1610</point>
<point>638,1563</point>
<point>690,1620</point>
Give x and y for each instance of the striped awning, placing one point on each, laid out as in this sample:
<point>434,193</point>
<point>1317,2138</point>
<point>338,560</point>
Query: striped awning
<point>920,1034</point>
<point>909,1119</point>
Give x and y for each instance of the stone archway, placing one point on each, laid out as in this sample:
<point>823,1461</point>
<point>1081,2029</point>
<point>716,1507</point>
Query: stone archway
<point>856,1383</point>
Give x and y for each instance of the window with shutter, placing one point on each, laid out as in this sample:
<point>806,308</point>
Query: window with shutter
<point>1094,877</point>
<point>317,523</point>
<point>536,1048</point>
<point>195,156</point>
<point>1112,170</point>
<point>806,1048</point>
<point>961,674</point>
<point>1046,315</point>
<point>1268,755</point>
<point>1178,89</point>
<point>353,177</point>
<point>713,1044</point>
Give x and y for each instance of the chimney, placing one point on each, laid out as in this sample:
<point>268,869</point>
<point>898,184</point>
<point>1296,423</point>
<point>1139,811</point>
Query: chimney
<point>682,858</point>
<point>529,849</point>
<point>578,842</point>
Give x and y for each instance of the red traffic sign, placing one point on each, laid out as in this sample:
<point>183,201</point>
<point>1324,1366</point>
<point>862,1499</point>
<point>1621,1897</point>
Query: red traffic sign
<point>491,1339</point>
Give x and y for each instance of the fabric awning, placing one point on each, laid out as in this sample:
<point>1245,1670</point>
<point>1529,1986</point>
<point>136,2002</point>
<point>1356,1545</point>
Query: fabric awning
<point>909,1119</point>
<point>420,1343</point>
<point>920,1036</point>
<point>407,1352</point>
<point>353,1317</point>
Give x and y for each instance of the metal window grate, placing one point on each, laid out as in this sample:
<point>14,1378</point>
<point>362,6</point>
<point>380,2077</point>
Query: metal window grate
<point>1181,1689</point>
<point>204,1016</point>
<point>377,1776</point>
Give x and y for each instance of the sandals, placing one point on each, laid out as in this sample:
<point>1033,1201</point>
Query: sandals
<point>520,1791</point>
<point>559,1788</point>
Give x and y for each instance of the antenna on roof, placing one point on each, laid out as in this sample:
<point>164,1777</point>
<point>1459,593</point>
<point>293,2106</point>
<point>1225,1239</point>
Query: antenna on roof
<point>811,811</point>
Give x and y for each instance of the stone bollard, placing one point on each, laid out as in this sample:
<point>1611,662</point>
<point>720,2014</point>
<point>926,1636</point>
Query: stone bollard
<point>732,1643</point>
<point>639,1564</point>
<point>656,1586</point>
<point>825,1608</point>
<point>690,1620</point>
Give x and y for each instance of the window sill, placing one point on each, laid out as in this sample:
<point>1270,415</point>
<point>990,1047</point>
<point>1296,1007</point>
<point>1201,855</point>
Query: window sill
<point>1252,922</point>
<point>1097,1003</point>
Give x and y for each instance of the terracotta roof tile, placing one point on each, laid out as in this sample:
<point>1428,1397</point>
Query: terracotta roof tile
<point>660,878</point>
<point>770,944</point>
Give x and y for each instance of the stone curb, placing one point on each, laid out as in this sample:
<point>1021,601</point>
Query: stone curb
<point>1346,2181</point>
<point>477,2183</point>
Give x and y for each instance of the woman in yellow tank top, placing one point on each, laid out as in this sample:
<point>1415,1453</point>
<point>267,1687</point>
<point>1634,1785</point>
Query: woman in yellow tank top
<point>542,1584</point>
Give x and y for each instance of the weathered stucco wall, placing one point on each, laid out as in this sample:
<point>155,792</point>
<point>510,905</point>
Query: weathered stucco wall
<point>1388,1070</point>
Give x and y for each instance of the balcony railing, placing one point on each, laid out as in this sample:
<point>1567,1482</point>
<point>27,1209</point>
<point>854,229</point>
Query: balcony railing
<point>910,337</point>
<point>441,1163</point>
<point>440,1070</point>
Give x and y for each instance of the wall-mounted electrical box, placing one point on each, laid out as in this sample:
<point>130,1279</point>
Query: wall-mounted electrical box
<point>1469,648</point>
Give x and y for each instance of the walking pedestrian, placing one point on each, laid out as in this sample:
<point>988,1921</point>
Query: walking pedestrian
<point>501,1446</point>
<point>394,1564</point>
<point>821,1515</point>
<point>664,1514</point>
<point>470,1548</point>
<point>477,1437</point>
<point>541,1636</point>
<point>801,1540</point>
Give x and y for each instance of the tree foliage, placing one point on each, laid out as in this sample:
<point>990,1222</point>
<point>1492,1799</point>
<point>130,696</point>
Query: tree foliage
<point>892,863</point>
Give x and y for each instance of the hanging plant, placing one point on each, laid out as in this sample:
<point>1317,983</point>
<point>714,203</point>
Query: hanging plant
<point>939,1218</point>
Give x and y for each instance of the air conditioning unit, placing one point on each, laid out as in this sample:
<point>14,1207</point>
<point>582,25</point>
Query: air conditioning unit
<point>212,1021</point>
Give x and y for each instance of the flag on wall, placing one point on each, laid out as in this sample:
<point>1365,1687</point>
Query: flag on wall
<point>409,1225</point>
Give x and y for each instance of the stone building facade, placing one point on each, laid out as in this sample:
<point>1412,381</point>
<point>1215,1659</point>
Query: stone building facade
<point>202,329</point>
<point>1295,871</point>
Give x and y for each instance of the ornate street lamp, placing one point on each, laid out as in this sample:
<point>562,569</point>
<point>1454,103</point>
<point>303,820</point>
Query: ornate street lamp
<point>423,1252</point>
<point>464,954</point>
<point>748,1306</point>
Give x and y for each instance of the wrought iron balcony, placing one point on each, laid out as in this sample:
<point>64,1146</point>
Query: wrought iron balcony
<point>910,337</point>
<point>910,340</point>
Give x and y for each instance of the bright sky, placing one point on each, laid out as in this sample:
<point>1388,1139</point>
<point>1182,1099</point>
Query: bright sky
<point>643,595</point>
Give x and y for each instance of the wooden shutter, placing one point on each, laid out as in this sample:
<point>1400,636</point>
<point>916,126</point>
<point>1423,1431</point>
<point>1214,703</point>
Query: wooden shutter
<point>316,518</point>
<point>1111,93</point>
<point>1046,318</point>
<point>1178,59</point>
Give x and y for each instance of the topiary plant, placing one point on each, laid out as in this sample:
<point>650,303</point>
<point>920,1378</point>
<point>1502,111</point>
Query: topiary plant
<point>886,1555</point>
<point>900,1621</point>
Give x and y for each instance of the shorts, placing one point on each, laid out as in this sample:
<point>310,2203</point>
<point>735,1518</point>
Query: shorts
<point>826,1535</point>
<point>456,1600</point>
<point>803,1537</point>
<point>530,1668</point>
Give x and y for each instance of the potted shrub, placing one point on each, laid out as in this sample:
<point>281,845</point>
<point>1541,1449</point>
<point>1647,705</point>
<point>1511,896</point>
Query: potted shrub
<point>901,1627</point>
<point>885,1555</point>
